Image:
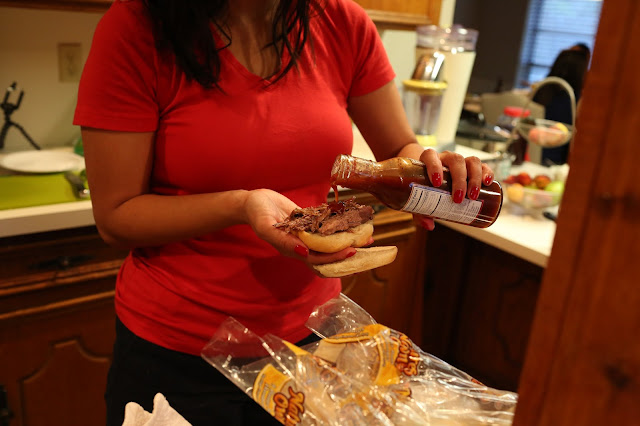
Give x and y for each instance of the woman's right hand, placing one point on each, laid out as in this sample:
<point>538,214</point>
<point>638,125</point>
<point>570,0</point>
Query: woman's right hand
<point>264,208</point>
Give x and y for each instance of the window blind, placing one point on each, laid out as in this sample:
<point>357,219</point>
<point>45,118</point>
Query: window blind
<point>552,26</point>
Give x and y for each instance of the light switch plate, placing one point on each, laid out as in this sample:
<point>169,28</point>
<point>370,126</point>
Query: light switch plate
<point>69,62</point>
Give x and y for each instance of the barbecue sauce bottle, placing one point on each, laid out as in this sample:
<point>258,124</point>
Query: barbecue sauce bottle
<point>402,184</point>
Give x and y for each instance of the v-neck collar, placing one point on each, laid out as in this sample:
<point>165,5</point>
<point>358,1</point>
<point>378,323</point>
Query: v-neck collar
<point>230,58</point>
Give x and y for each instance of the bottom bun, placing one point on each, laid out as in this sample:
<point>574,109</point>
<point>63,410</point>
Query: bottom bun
<point>363,260</point>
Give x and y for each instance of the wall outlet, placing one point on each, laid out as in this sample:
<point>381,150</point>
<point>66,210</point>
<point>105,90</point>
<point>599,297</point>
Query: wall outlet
<point>69,62</point>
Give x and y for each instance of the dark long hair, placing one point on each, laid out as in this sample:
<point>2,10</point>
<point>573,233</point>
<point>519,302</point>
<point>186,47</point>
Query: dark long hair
<point>184,27</point>
<point>570,65</point>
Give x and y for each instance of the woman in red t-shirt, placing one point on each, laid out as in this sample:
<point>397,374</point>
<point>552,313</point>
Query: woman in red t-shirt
<point>204,123</point>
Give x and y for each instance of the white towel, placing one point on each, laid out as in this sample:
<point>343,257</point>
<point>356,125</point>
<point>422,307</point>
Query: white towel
<point>163,414</point>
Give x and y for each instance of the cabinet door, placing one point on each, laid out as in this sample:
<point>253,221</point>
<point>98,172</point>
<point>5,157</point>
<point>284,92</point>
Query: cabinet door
<point>54,364</point>
<point>478,306</point>
<point>392,294</point>
<point>407,13</point>
<point>56,325</point>
<point>77,5</point>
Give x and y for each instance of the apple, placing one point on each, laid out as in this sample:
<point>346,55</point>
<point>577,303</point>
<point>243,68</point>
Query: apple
<point>515,192</point>
<point>561,127</point>
<point>524,178</point>
<point>510,179</point>
<point>554,135</point>
<point>541,181</point>
<point>556,186</point>
<point>534,135</point>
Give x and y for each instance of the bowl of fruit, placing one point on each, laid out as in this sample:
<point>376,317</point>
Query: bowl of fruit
<point>538,192</point>
<point>546,133</point>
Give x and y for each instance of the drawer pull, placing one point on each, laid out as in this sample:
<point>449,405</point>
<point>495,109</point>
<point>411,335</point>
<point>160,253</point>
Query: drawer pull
<point>61,262</point>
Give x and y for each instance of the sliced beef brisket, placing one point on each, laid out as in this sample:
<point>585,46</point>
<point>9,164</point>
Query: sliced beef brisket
<point>327,218</point>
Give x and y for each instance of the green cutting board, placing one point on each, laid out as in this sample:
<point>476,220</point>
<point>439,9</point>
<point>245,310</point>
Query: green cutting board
<point>18,191</point>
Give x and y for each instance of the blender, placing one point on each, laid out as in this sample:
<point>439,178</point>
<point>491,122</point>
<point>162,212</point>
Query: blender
<point>457,44</point>
<point>423,97</point>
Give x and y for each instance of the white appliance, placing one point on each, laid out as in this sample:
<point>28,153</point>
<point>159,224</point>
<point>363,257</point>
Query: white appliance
<point>458,45</point>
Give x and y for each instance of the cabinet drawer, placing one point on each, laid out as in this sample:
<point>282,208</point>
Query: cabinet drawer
<point>48,267</point>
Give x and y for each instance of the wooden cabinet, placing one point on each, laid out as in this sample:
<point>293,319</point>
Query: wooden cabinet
<point>407,13</point>
<point>56,326</point>
<point>57,315</point>
<point>75,5</point>
<point>392,293</point>
<point>479,304</point>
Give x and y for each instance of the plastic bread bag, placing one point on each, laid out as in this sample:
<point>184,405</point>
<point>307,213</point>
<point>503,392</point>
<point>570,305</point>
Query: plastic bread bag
<point>372,353</point>
<point>298,388</point>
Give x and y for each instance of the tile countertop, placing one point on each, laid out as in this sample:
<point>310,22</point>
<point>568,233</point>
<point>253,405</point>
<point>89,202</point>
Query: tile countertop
<point>521,235</point>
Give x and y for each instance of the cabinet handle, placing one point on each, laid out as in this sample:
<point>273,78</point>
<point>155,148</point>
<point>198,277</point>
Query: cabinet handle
<point>5,412</point>
<point>61,262</point>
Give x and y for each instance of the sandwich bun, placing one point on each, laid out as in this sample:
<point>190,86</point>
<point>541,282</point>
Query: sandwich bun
<point>354,237</point>
<point>363,260</point>
<point>353,226</point>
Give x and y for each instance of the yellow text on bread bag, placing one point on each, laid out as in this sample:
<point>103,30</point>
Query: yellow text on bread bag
<point>274,392</point>
<point>396,356</point>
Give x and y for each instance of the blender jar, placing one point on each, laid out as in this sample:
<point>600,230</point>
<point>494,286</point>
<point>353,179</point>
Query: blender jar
<point>422,102</point>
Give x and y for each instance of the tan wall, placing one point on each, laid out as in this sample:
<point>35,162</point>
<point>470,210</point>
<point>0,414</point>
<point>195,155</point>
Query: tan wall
<point>28,55</point>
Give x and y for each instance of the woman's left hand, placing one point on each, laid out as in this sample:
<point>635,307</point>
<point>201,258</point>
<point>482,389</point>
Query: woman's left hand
<point>468,174</point>
<point>264,208</point>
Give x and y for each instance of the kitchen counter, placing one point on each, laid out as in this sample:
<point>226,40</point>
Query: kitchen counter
<point>527,237</point>
<point>52,217</point>
<point>522,234</point>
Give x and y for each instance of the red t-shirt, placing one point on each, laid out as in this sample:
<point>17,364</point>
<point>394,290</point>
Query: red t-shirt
<point>283,137</point>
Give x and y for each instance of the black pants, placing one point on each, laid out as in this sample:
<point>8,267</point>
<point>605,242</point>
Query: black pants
<point>195,389</point>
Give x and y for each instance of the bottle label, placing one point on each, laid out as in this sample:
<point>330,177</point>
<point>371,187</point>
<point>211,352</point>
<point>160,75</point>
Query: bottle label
<point>438,203</point>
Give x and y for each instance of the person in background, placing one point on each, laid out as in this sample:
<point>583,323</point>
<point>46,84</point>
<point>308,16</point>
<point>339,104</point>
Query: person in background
<point>571,65</point>
<point>204,123</point>
<point>582,47</point>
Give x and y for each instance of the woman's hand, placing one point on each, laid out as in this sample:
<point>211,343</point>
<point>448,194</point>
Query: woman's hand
<point>382,121</point>
<point>264,208</point>
<point>468,174</point>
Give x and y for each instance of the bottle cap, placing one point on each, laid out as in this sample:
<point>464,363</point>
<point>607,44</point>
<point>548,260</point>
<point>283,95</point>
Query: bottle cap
<point>513,111</point>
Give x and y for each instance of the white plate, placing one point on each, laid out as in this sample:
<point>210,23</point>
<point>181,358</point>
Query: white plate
<point>44,161</point>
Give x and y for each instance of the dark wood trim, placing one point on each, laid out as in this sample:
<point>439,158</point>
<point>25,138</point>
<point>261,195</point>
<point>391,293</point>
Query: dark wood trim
<point>64,305</point>
<point>397,20</point>
<point>583,360</point>
<point>69,5</point>
<point>384,19</point>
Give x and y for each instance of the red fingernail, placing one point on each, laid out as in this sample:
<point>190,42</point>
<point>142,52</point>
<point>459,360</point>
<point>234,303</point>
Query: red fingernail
<point>458,196</point>
<point>427,224</point>
<point>301,250</point>
<point>473,194</point>
<point>488,180</point>
<point>436,179</point>
<point>352,253</point>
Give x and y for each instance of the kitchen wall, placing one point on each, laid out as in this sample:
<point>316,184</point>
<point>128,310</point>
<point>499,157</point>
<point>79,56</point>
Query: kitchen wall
<point>501,26</point>
<point>400,45</point>
<point>29,56</point>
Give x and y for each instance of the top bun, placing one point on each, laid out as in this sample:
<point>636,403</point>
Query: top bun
<point>354,237</point>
